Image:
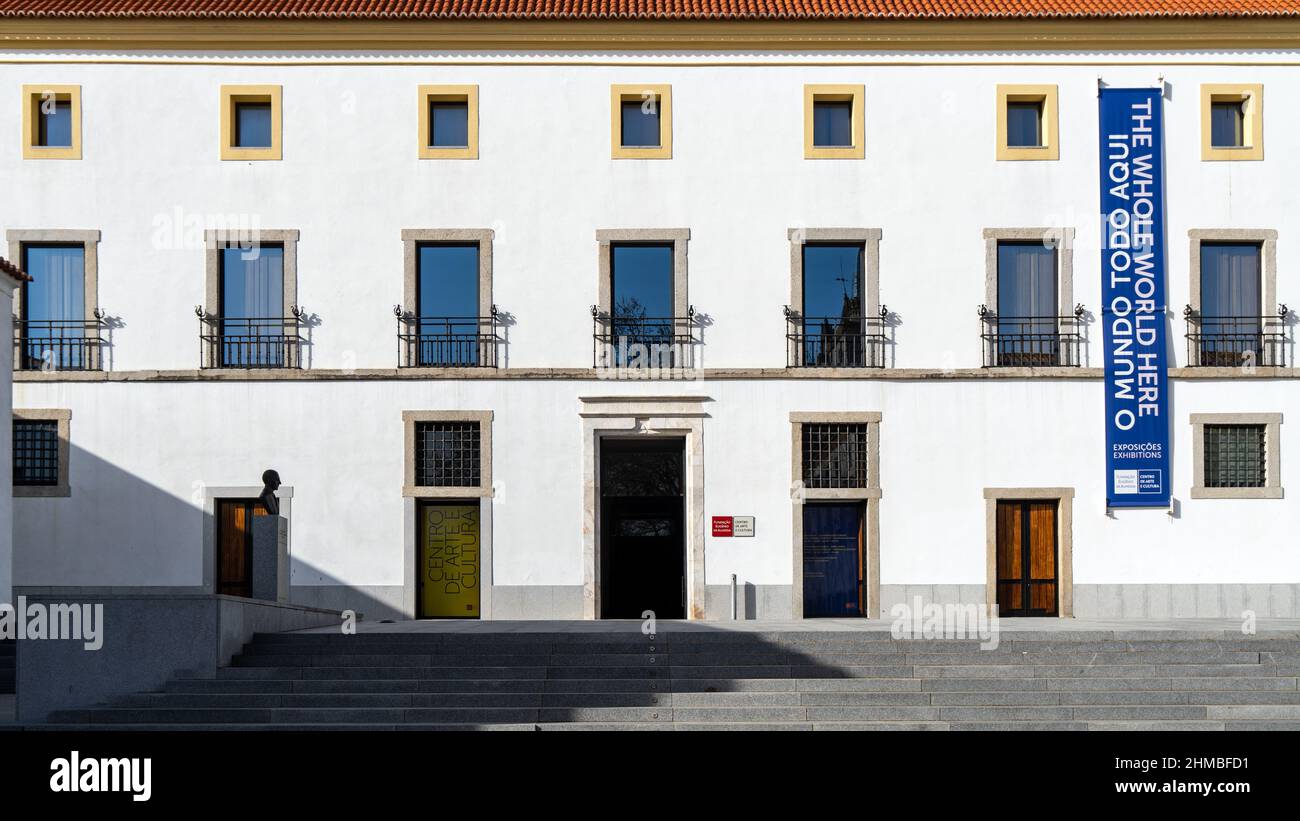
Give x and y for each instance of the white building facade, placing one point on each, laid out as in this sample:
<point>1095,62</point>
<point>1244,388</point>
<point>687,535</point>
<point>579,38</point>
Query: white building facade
<point>505,464</point>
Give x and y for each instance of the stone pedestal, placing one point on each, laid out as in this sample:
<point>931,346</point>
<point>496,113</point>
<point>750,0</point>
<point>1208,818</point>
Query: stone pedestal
<point>271,558</point>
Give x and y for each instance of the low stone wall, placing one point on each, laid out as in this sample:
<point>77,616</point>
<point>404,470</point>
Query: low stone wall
<point>147,639</point>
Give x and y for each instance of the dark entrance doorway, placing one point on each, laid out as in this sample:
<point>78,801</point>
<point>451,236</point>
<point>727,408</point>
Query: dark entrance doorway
<point>832,559</point>
<point>235,545</point>
<point>1026,547</point>
<point>642,528</point>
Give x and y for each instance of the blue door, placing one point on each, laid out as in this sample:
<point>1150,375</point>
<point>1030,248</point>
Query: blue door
<point>832,578</point>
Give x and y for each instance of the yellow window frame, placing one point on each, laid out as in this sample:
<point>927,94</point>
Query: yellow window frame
<point>33,97</point>
<point>232,96</point>
<point>1252,127</point>
<point>662,93</point>
<point>467,94</point>
<point>855,94</point>
<point>1046,95</point>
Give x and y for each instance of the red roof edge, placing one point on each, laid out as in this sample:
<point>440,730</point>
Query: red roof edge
<point>13,271</point>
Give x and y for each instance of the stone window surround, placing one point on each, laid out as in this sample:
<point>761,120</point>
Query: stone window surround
<point>450,93</point>
<point>88,239</point>
<point>216,241</point>
<point>211,493</point>
<point>663,94</point>
<point>631,416</point>
<point>412,495</point>
<point>231,95</point>
<point>1060,238</point>
<point>1272,423</point>
<point>869,238</point>
<point>1051,142</point>
<point>1266,238</point>
<point>33,96</point>
<point>64,488</point>
<point>869,495</point>
<point>484,487</point>
<point>1064,497</point>
<point>678,237</point>
<point>412,238</point>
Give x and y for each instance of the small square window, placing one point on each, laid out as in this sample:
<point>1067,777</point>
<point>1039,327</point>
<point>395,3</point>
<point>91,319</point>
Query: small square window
<point>250,123</point>
<point>1226,121</point>
<point>834,455</point>
<point>36,453</point>
<point>448,122</point>
<point>1232,122</point>
<point>1026,123</point>
<point>52,122</point>
<point>1234,456</point>
<point>447,454</point>
<point>55,124</point>
<point>641,122</point>
<point>40,453</point>
<point>253,125</point>
<point>834,122</point>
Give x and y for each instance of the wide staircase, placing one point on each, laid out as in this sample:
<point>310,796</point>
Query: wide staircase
<point>8,647</point>
<point>851,680</point>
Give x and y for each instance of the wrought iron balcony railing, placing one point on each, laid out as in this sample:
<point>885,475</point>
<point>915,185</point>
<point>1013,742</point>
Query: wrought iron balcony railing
<point>1031,341</point>
<point>447,341</point>
<point>1236,341</point>
<point>59,345</point>
<point>835,341</point>
<point>251,342</point>
<point>642,342</point>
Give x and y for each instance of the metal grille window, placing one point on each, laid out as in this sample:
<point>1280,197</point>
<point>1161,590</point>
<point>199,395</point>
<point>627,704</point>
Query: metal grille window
<point>1234,456</point>
<point>835,455</point>
<point>447,454</point>
<point>36,452</point>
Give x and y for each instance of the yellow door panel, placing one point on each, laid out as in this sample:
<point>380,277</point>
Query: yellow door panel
<point>449,561</point>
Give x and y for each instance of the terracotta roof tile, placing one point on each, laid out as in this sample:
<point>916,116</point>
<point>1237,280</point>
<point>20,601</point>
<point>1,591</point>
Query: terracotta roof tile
<point>644,9</point>
<point>13,271</point>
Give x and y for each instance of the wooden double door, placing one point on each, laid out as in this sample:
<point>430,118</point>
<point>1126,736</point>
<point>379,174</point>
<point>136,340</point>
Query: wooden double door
<point>1028,576</point>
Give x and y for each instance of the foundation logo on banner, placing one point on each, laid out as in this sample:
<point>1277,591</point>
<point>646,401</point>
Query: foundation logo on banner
<point>1133,297</point>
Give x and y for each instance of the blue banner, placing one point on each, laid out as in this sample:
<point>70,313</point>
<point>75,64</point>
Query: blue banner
<point>1133,297</point>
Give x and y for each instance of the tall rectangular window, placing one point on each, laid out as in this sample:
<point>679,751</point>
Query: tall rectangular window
<point>448,454</point>
<point>641,294</point>
<point>447,293</point>
<point>253,329</point>
<point>835,455</point>
<point>1027,330</point>
<point>1235,456</point>
<point>832,305</point>
<point>53,329</point>
<point>36,453</point>
<point>1230,311</point>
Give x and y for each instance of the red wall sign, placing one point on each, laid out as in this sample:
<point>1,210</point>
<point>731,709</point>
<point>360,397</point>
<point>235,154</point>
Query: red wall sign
<point>722,525</point>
